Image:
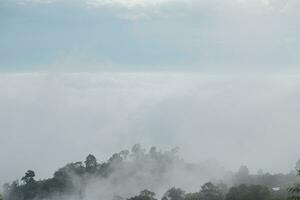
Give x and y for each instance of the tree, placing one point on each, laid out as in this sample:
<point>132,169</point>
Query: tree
<point>124,154</point>
<point>193,196</point>
<point>295,190</point>
<point>144,195</point>
<point>63,177</point>
<point>147,193</point>
<point>137,148</point>
<point>29,177</point>
<point>252,192</point>
<point>174,194</point>
<point>13,191</point>
<point>6,188</point>
<point>243,171</point>
<point>242,176</point>
<point>91,163</point>
<point>153,152</point>
<point>210,192</point>
<point>115,159</point>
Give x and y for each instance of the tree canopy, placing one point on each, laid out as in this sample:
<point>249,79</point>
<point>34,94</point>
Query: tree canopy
<point>29,177</point>
<point>142,169</point>
<point>295,190</point>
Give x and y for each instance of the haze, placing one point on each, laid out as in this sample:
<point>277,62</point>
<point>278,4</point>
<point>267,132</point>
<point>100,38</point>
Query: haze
<point>218,79</point>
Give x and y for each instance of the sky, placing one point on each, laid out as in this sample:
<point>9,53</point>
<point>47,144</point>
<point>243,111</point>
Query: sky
<point>217,78</point>
<point>143,35</point>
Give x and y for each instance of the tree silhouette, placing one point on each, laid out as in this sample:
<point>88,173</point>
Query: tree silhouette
<point>90,163</point>
<point>29,177</point>
<point>144,195</point>
<point>74,178</point>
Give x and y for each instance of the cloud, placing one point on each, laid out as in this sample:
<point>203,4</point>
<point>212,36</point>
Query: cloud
<point>152,35</point>
<point>48,120</point>
<point>127,3</point>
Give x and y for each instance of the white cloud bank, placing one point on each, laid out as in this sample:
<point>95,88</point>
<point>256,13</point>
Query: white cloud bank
<point>47,120</point>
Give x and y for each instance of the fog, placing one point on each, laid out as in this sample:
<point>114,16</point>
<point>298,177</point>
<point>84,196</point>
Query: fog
<point>217,80</point>
<point>142,168</point>
<point>50,119</point>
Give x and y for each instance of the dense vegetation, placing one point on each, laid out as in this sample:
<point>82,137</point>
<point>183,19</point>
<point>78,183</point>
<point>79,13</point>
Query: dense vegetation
<point>295,190</point>
<point>128,171</point>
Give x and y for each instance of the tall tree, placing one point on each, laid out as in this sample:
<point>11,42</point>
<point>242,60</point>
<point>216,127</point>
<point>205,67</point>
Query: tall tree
<point>29,177</point>
<point>91,163</point>
<point>144,195</point>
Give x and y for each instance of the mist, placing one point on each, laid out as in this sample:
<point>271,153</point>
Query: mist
<point>198,99</point>
<point>50,119</point>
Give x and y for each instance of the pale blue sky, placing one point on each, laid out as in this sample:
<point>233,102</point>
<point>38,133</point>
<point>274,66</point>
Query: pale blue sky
<point>149,35</point>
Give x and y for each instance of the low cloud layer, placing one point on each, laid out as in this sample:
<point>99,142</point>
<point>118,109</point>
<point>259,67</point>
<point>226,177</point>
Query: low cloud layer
<point>50,119</point>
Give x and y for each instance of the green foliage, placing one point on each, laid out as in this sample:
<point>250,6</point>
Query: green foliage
<point>29,177</point>
<point>266,179</point>
<point>251,192</point>
<point>295,190</point>
<point>74,178</point>
<point>144,195</point>
<point>91,163</point>
<point>210,192</point>
<point>174,194</point>
<point>193,196</point>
